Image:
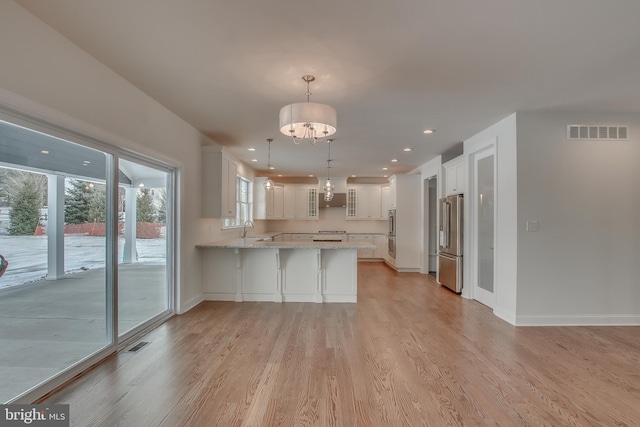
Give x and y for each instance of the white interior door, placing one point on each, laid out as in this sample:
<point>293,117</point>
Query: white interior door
<point>484,226</point>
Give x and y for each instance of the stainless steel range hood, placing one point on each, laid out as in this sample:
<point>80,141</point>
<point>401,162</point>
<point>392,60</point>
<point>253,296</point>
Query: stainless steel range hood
<point>339,201</point>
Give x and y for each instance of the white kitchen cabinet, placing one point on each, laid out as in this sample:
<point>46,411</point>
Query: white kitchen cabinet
<point>386,200</point>
<point>455,176</point>
<point>364,238</point>
<point>312,202</point>
<point>219,184</point>
<point>284,201</point>
<point>408,223</point>
<point>392,192</point>
<point>275,200</point>
<point>365,202</point>
<point>267,204</point>
<point>381,251</point>
<point>300,202</point>
<point>352,200</point>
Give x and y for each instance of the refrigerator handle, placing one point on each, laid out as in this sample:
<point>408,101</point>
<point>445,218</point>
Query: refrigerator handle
<point>445,223</point>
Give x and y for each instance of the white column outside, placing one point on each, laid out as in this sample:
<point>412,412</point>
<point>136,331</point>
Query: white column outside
<point>55,227</point>
<point>130,250</point>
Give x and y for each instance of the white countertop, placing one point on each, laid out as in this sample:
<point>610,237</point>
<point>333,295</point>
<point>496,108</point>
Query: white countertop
<point>251,242</point>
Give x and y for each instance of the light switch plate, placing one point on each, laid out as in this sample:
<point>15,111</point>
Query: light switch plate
<point>532,225</point>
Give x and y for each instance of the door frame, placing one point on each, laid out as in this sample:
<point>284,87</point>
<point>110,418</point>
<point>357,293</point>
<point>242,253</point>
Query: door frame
<point>481,295</point>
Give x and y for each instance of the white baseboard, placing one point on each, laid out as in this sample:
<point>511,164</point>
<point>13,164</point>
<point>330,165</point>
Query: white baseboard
<point>298,298</point>
<point>408,270</point>
<point>341,298</point>
<point>257,297</point>
<point>216,296</point>
<point>579,320</point>
<point>507,317</point>
<point>188,305</point>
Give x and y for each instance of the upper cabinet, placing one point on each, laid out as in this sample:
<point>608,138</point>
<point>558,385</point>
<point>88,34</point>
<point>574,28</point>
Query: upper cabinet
<point>386,200</point>
<point>218,184</point>
<point>267,204</point>
<point>392,192</point>
<point>455,176</point>
<point>365,202</point>
<point>285,201</point>
<point>300,202</point>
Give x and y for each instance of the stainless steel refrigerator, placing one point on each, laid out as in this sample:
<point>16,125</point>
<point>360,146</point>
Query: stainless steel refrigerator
<point>450,243</point>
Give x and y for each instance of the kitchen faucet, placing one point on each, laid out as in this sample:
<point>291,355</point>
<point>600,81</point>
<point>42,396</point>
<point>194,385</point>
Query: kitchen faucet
<point>244,228</point>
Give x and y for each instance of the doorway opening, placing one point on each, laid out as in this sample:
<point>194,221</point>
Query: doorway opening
<point>431,225</point>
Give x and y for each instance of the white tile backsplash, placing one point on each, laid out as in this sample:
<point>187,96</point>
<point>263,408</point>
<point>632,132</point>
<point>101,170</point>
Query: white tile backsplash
<point>330,219</point>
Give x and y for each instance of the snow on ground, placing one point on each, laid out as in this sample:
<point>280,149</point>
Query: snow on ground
<point>27,255</point>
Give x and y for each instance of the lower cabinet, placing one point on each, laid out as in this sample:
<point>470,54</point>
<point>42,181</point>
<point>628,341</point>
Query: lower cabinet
<point>382,250</point>
<point>364,238</point>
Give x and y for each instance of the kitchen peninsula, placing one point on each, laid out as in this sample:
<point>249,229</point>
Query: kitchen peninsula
<point>260,269</point>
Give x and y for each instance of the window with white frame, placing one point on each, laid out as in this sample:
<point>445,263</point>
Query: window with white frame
<point>244,204</point>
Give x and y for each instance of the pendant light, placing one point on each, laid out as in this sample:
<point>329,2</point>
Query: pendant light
<point>309,121</point>
<point>328,185</point>
<point>268,184</point>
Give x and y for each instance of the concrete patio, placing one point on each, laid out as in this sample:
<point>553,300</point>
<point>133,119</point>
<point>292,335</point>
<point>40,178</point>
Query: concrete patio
<point>49,325</point>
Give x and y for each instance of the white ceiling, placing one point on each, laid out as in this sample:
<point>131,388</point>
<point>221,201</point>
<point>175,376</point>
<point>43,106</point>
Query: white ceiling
<point>390,68</point>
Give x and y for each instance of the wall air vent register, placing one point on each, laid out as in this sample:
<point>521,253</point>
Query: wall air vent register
<point>589,132</point>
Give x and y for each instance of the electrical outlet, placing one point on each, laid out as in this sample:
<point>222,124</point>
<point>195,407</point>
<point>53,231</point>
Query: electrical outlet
<point>532,225</point>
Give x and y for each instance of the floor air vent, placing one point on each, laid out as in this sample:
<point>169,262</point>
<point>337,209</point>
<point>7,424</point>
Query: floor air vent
<point>587,132</point>
<point>138,346</point>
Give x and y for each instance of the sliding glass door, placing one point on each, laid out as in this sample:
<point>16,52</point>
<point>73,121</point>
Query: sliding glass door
<point>54,292</point>
<point>143,276</point>
<point>78,225</point>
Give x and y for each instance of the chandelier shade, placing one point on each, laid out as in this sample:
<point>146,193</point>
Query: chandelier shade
<point>308,120</point>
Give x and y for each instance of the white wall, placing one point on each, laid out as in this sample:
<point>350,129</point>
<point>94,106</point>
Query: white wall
<point>503,135</point>
<point>63,84</point>
<point>583,265</point>
<point>211,228</point>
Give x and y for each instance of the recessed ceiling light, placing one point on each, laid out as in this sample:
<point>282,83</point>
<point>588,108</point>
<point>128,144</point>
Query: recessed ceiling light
<point>407,149</point>
<point>279,174</point>
<point>141,185</point>
<point>86,162</point>
<point>45,151</point>
<point>254,160</point>
<point>385,176</point>
<point>272,167</point>
<point>251,149</point>
<point>428,131</point>
<point>311,175</point>
<point>394,160</point>
<point>353,176</point>
<point>384,169</point>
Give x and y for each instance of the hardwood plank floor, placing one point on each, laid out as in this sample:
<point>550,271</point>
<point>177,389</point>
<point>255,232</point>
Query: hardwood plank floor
<point>410,353</point>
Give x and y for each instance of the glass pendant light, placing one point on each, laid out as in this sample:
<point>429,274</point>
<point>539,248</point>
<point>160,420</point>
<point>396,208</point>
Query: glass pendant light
<point>268,184</point>
<point>328,185</point>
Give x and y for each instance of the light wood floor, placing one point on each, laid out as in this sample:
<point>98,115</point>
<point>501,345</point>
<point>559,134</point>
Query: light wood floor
<point>410,353</point>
